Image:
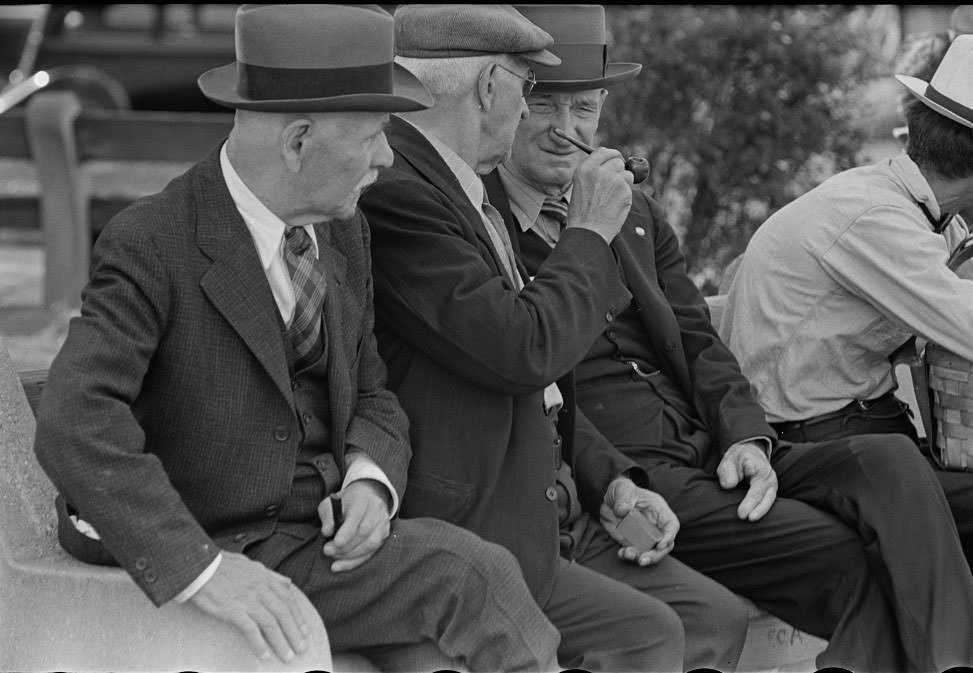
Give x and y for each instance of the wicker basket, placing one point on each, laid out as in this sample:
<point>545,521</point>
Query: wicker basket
<point>951,385</point>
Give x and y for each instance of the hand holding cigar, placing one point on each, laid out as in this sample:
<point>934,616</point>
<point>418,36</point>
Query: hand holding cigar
<point>637,166</point>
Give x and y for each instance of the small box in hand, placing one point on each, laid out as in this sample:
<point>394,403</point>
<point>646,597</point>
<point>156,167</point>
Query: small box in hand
<point>639,532</point>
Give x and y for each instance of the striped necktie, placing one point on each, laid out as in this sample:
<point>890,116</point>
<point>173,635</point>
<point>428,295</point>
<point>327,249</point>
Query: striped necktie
<point>309,288</point>
<point>556,208</point>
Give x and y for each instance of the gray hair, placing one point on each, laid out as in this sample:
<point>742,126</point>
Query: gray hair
<point>445,77</point>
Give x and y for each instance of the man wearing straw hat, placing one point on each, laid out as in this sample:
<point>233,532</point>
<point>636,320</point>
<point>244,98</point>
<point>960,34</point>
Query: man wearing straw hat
<point>835,282</point>
<point>498,447</point>
<point>223,380</point>
<point>812,542</point>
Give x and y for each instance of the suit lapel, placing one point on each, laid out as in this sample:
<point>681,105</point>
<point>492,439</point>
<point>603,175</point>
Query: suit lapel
<point>498,197</point>
<point>235,283</point>
<point>655,312</point>
<point>339,385</point>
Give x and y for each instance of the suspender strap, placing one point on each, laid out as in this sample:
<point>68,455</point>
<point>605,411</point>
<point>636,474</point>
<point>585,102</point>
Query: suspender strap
<point>937,225</point>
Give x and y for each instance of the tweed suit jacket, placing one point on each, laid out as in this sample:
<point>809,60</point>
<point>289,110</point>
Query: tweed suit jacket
<point>469,356</point>
<point>168,420</point>
<point>675,316</point>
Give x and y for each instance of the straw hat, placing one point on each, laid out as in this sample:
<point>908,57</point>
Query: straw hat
<point>950,91</point>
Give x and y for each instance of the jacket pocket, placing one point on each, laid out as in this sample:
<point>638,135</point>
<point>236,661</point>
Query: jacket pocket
<point>431,495</point>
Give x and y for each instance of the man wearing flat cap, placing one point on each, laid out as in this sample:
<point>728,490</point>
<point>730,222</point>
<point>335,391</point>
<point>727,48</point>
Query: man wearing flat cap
<point>474,348</point>
<point>782,524</point>
<point>222,391</point>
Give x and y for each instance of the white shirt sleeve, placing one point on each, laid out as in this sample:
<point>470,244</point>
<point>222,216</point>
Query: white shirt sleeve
<point>900,269</point>
<point>198,583</point>
<point>361,466</point>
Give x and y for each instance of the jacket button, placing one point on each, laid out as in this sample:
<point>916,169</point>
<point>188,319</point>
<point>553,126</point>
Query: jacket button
<point>306,417</point>
<point>557,441</point>
<point>551,493</point>
<point>271,511</point>
<point>281,433</point>
<point>240,537</point>
<point>609,316</point>
<point>141,564</point>
<point>149,576</point>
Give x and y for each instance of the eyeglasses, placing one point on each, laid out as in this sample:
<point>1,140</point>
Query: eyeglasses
<point>529,81</point>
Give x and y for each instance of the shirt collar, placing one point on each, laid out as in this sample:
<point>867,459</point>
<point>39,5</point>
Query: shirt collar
<point>915,183</point>
<point>265,227</point>
<point>525,199</point>
<point>469,181</point>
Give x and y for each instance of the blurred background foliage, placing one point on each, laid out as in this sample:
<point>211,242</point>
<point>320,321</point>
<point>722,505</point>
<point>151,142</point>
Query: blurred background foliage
<point>739,110</point>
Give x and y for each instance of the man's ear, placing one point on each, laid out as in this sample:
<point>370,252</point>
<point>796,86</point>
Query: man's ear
<point>295,142</point>
<point>486,87</point>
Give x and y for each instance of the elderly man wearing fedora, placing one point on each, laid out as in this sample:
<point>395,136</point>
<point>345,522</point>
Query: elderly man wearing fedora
<point>223,380</point>
<point>802,530</point>
<point>474,349</point>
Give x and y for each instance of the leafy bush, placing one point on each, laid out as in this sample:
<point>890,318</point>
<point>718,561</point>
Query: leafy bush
<point>739,110</point>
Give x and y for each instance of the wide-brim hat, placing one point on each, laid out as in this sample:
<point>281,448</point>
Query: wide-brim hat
<point>950,91</point>
<point>314,58</point>
<point>580,40</point>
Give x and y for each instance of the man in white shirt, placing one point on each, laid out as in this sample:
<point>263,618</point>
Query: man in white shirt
<point>833,283</point>
<point>222,393</point>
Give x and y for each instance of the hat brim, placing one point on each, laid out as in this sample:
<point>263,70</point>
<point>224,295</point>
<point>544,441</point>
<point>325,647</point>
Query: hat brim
<point>917,88</point>
<point>408,94</point>
<point>614,73</point>
<point>542,56</point>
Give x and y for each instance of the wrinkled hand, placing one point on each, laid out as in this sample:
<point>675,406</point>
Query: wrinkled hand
<point>747,460</point>
<point>602,194</point>
<point>365,507</point>
<point>261,603</point>
<point>623,496</point>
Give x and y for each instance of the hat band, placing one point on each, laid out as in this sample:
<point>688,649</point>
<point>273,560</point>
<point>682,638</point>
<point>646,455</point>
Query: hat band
<point>258,82</point>
<point>948,103</point>
<point>578,62</point>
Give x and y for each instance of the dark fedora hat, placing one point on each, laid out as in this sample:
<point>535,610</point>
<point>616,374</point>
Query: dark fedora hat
<point>580,39</point>
<point>314,58</point>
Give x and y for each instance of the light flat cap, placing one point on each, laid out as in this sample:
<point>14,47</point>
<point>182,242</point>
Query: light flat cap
<point>452,31</point>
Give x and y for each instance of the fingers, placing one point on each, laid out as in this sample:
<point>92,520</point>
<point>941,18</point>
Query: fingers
<point>759,499</point>
<point>366,526</point>
<point>728,474</point>
<point>261,604</point>
<point>762,492</point>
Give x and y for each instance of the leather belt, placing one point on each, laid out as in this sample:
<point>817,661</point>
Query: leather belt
<point>785,427</point>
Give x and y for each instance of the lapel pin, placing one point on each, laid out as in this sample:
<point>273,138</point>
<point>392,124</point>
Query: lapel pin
<point>640,231</point>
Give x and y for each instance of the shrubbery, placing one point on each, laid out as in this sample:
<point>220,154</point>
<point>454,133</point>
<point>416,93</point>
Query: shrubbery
<point>739,110</point>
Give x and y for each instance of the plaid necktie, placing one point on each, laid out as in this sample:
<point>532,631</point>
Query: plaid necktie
<point>309,287</point>
<point>556,208</point>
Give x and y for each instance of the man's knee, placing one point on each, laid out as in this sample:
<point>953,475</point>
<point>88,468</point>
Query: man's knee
<point>890,459</point>
<point>457,552</point>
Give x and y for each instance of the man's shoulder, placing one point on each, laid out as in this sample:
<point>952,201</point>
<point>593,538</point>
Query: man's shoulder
<point>168,211</point>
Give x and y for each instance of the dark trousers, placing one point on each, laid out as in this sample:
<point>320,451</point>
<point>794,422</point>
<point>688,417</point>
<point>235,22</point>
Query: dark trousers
<point>431,583</point>
<point>714,619</point>
<point>893,416</point>
<point>859,547</point>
